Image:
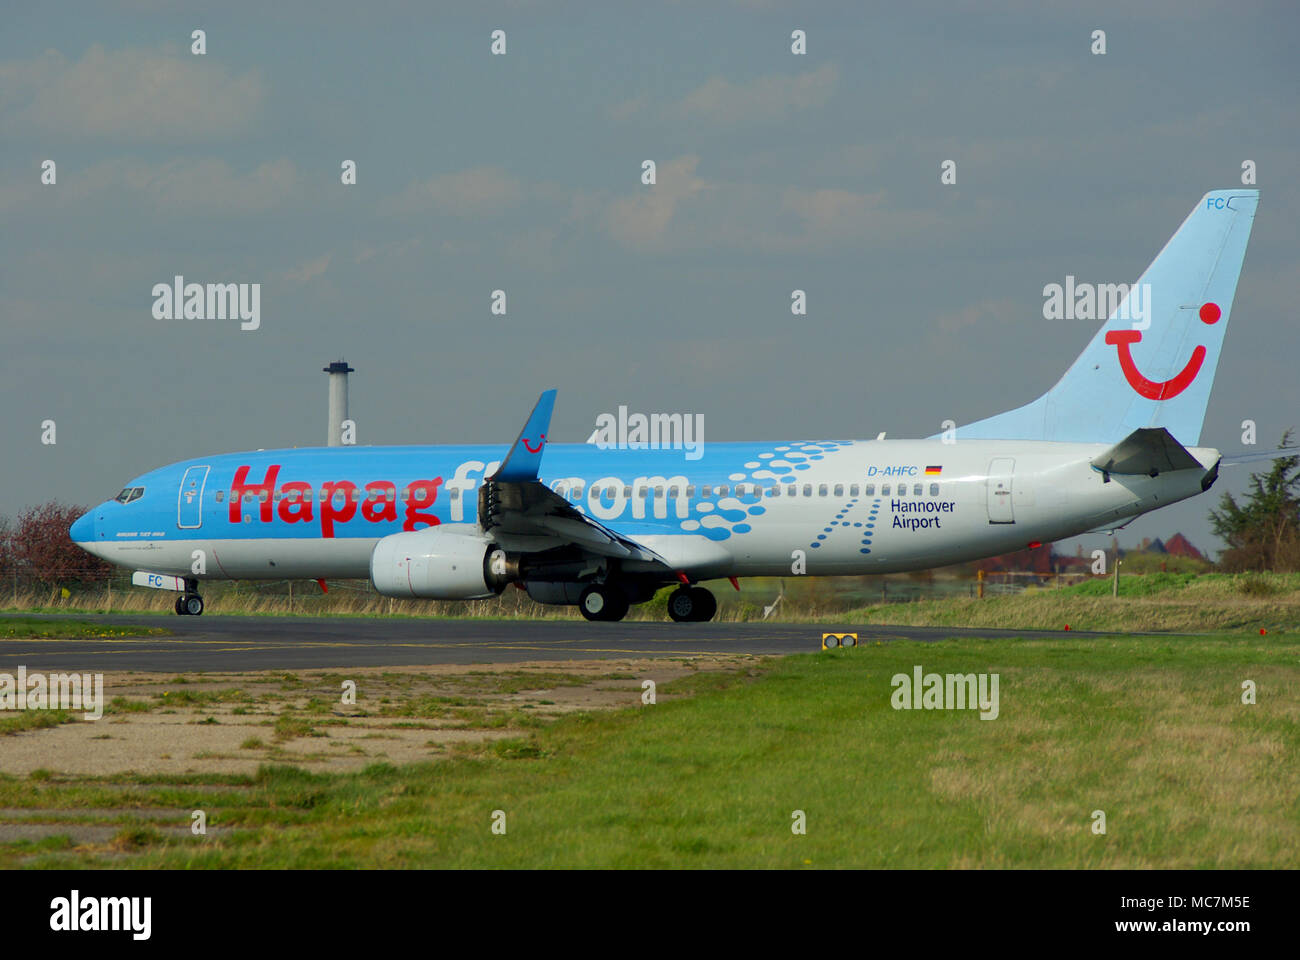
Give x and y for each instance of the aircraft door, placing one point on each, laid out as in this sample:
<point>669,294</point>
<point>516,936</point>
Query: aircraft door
<point>189,503</point>
<point>998,483</point>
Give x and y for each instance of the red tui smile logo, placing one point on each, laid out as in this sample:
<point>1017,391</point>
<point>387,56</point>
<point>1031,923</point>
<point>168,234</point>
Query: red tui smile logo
<point>1163,389</point>
<point>541,442</point>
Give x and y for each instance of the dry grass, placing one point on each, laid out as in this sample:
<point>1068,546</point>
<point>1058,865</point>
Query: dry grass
<point>1150,603</point>
<point>1204,604</point>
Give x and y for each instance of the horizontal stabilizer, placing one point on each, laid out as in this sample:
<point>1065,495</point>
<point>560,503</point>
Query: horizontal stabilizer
<point>1260,456</point>
<point>1149,451</point>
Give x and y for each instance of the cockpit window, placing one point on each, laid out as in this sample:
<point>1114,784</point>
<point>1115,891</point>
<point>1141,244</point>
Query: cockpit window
<point>129,494</point>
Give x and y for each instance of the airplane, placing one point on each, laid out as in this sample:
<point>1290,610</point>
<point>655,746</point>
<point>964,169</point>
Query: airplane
<point>604,529</point>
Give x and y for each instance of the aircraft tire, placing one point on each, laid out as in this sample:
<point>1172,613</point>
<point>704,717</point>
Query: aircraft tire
<point>603,602</point>
<point>706,605</point>
<point>682,604</point>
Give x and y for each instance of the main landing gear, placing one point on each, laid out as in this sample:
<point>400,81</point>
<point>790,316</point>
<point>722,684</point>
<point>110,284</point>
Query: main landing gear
<point>610,601</point>
<point>691,605</point>
<point>603,601</point>
<point>190,604</point>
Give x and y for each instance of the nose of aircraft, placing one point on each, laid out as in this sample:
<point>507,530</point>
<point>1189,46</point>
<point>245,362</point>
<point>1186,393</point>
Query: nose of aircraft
<point>83,530</point>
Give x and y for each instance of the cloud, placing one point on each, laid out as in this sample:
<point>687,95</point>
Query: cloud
<point>832,214</point>
<point>134,94</point>
<point>762,99</point>
<point>203,185</point>
<point>642,221</point>
<point>686,212</point>
<point>479,191</point>
<point>307,271</point>
<point>985,313</point>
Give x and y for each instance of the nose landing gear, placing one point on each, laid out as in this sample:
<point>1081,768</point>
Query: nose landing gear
<point>190,604</point>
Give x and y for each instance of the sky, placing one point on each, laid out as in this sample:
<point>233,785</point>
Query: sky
<point>522,172</point>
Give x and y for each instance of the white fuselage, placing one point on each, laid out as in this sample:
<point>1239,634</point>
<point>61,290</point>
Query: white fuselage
<point>839,510</point>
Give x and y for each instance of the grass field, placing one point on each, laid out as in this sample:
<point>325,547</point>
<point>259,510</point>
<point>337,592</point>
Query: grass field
<point>1153,733</point>
<point>1153,602</point>
<point>11,627</point>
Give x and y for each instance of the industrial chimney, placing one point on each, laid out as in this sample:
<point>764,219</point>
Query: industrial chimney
<point>338,372</point>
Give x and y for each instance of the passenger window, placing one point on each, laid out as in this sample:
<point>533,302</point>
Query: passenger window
<point>406,495</point>
<point>672,491</point>
<point>577,490</point>
<point>659,491</point>
<point>627,492</point>
<point>821,490</point>
<point>853,490</point>
<point>916,490</point>
<point>221,496</point>
<point>884,490</point>
<point>645,492</point>
<point>722,490</point>
<point>455,493</point>
<point>902,490</point>
<point>690,491</point>
<point>839,489</point>
<point>807,489</point>
<point>772,492</point>
<point>561,489</point>
<point>870,490</point>
<point>934,489</point>
<point>264,496</point>
<point>706,490</point>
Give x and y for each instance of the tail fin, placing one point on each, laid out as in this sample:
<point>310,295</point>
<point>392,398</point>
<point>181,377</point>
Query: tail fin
<point>1152,363</point>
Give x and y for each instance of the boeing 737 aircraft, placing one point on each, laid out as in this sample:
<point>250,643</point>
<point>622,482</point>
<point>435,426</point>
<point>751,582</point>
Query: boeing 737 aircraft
<point>1115,438</point>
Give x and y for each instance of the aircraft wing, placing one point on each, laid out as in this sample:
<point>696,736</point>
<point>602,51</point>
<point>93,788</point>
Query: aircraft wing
<point>514,501</point>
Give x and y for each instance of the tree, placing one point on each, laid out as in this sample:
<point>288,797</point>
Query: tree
<point>42,546</point>
<point>1263,532</point>
<point>7,559</point>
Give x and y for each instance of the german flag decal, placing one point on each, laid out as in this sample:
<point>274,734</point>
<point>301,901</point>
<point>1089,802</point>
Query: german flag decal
<point>933,471</point>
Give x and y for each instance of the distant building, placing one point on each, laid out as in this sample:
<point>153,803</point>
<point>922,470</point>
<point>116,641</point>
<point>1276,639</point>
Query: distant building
<point>1030,560</point>
<point>1042,560</point>
<point>1180,546</point>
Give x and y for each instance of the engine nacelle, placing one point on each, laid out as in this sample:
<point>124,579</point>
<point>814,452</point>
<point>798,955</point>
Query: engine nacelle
<point>447,562</point>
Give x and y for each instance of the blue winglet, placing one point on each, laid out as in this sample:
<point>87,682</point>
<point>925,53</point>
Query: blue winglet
<point>524,460</point>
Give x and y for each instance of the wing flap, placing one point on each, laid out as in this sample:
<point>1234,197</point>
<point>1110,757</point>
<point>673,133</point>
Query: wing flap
<point>514,501</point>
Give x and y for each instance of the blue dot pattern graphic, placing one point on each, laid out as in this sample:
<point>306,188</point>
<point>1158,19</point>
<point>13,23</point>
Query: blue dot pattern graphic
<point>720,518</point>
<point>870,527</point>
<point>835,522</point>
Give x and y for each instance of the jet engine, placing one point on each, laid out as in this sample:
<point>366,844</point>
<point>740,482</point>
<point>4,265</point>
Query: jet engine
<point>441,563</point>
